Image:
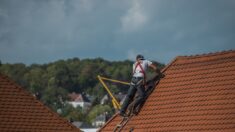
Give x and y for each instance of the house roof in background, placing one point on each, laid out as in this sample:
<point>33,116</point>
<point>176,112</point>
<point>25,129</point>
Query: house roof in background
<point>76,97</point>
<point>21,111</point>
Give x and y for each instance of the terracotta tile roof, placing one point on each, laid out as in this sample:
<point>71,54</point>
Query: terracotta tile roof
<point>22,112</point>
<point>197,94</point>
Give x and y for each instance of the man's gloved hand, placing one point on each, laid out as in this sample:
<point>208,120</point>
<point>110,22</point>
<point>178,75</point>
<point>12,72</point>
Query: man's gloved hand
<point>157,71</point>
<point>161,75</point>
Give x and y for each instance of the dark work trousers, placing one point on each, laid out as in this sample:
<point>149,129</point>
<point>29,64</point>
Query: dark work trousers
<point>136,85</point>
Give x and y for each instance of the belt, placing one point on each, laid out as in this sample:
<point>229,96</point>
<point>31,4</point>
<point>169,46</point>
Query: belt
<point>138,77</point>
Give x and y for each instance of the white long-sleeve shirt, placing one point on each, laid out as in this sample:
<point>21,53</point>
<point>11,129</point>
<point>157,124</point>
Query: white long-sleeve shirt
<point>137,72</point>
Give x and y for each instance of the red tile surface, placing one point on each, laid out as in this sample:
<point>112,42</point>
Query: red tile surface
<point>21,112</point>
<point>197,94</point>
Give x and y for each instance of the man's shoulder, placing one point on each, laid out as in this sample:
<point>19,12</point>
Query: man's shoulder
<point>146,61</point>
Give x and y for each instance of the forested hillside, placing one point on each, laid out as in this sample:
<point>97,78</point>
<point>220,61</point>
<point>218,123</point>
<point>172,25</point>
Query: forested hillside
<point>54,81</point>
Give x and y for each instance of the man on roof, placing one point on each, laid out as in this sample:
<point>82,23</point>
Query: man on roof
<point>138,82</point>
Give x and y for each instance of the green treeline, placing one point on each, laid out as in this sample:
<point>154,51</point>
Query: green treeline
<point>54,81</point>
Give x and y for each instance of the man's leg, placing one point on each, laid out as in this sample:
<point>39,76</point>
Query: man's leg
<point>141,95</point>
<point>130,94</point>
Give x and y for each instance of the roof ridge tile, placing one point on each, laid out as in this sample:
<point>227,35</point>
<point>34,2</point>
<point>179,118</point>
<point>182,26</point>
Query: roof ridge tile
<point>218,53</point>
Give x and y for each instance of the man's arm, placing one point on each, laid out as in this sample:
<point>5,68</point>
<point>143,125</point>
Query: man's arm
<point>154,67</point>
<point>157,70</point>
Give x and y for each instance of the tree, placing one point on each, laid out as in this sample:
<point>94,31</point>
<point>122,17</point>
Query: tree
<point>69,112</point>
<point>97,110</point>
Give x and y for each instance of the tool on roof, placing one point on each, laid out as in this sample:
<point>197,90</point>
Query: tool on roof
<point>115,103</point>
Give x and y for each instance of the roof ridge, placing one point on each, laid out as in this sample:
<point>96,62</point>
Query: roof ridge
<point>206,54</point>
<point>169,64</point>
<point>36,100</point>
<point>196,56</point>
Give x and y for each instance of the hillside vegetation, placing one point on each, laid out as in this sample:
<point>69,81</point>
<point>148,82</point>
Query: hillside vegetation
<point>54,81</point>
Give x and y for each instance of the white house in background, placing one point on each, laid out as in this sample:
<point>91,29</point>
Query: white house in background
<point>79,100</point>
<point>101,120</point>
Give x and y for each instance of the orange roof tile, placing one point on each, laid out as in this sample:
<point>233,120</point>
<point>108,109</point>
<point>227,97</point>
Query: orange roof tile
<point>22,112</point>
<point>197,94</point>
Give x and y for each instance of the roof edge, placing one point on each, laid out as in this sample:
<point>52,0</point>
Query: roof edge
<point>169,64</point>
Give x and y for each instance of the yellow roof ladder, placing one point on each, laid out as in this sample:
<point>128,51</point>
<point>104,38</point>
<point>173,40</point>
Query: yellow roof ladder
<point>116,104</point>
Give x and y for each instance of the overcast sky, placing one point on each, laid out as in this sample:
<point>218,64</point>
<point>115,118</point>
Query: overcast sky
<point>41,31</point>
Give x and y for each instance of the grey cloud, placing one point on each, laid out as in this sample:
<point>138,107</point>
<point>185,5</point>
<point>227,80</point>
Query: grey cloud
<point>45,30</point>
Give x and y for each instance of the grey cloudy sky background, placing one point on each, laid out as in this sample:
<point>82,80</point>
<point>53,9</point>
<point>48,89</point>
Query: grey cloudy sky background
<point>40,31</point>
